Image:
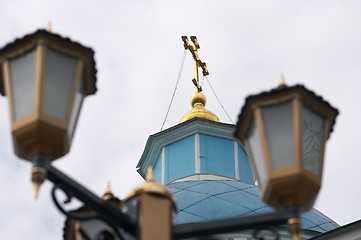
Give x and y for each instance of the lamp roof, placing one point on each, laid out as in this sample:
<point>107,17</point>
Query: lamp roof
<point>41,34</point>
<point>281,90</point>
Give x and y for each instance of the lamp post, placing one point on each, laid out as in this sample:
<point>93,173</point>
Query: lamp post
<point>46,78</point>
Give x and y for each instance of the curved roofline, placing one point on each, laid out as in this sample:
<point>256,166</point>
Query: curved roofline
<point>200,177</point>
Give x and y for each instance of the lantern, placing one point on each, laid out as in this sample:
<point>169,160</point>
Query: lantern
<point>285,132</point>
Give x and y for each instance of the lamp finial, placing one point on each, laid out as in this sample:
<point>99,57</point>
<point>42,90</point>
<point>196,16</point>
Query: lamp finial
<point>108,189</point>
<point>108,192</point>
<point>38,175</point>
<point>282,80</point>
<point>49,28</point>
<point>150,177</point>
<point>36,187</point>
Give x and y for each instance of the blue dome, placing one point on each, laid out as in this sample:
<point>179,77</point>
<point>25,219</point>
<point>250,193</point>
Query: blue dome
<point>204,200</point>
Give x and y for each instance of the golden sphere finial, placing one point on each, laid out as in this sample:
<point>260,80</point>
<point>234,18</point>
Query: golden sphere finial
<point>198,102</point>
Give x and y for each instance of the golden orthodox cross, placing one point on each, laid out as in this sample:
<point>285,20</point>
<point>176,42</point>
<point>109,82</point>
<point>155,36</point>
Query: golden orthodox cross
<point>197,62</point>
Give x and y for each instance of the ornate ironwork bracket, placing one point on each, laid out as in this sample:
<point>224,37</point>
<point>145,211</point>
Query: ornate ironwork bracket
<point>102,210</point>
<point>257,223</point>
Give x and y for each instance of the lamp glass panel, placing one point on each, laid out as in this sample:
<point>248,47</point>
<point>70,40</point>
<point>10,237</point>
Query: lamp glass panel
<point>278,124</point>
<point>22,77</point>
<point>93,229</point>
<point>130,208</point>
<point>79,96</point>
<point>59,75</point>
<point>312,135</point>
<point>256,150</point>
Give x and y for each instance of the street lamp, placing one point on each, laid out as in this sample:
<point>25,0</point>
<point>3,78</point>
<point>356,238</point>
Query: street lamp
<point>46,78</point>
<point>285,132</point>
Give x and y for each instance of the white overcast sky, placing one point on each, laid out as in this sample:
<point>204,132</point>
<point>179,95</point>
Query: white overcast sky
<point>246,44</point>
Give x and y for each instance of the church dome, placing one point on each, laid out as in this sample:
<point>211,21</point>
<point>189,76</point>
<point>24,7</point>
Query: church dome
<point>208,172</point>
